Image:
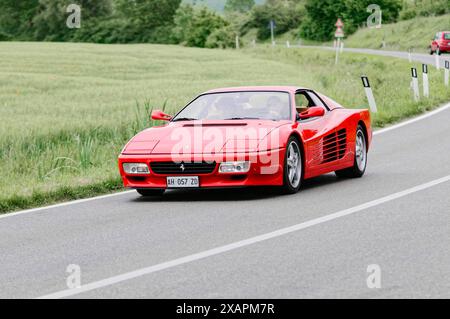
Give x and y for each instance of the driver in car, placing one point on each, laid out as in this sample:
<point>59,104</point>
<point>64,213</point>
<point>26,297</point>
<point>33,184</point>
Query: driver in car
<point>275,108</point>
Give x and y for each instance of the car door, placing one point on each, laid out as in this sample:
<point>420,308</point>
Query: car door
<point>320,137</point>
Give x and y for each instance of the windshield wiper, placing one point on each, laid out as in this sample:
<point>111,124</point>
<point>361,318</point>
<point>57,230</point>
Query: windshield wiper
<point>184,119</point>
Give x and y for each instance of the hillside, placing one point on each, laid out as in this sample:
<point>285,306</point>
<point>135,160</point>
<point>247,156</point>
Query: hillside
<point>415,34</point>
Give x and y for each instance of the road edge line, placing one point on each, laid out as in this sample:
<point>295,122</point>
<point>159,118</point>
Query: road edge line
<point>242,243</point>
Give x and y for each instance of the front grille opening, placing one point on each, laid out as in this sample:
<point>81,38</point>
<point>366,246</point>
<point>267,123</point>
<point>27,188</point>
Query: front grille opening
<point>188,168</point>
<point>238,177</point>
<point>137,178</point>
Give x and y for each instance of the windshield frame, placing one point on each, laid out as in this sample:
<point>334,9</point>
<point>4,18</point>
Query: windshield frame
<point>173,119</point>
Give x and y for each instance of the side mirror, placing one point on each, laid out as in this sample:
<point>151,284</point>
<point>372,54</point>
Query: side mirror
<point>313,111</point>
<point>160,116</point>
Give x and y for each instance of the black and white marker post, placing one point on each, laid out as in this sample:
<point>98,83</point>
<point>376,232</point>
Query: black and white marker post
<point>446,72</point>
<point>426,88</point>
<point>415,84</point>
<point>369,94</point>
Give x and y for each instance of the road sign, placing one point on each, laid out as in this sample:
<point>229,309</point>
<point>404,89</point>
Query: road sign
<point>339,23</point>
<point>339,31</point>
<point>272,24</point>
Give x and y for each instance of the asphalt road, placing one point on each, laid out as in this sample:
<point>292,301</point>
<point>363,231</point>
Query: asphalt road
<point>419,57</point>
<point>253,243</point>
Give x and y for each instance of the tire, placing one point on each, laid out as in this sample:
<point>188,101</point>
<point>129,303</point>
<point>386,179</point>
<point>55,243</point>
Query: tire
<point>360,163</point>
<point>147,192</point>
<point>293,167</point>
<point>431,51</point>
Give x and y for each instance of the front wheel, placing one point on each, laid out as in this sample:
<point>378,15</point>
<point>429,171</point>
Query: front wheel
<point>360,163</point>
<point>293,167</point>
<point>147,192</point>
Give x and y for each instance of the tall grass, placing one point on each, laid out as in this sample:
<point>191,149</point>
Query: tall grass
<point>68,109</point>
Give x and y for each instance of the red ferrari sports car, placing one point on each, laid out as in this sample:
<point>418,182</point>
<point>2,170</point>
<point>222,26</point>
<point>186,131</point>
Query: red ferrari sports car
<point>248,136</point>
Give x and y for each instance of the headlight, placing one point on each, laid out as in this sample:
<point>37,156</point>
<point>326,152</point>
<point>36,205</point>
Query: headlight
<point>234,167</point>
<point>136,168</point>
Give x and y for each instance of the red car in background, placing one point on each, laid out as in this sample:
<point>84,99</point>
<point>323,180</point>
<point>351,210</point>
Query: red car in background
<point>440,43</point>
<point>248,136</point>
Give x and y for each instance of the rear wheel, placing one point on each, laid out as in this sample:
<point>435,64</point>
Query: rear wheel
<point>293,167</point>
<point>360,162</point>
<point>147,192</point>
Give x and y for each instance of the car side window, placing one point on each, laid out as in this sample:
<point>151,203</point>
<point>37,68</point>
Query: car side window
<point>316,100</point>
<point>302,101</point>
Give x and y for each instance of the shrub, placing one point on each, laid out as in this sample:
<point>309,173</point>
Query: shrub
<point>222,38</point>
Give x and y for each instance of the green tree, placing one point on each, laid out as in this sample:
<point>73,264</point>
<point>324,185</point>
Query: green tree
<point>321,16</point>
<point>16,17</point>
<point>148,13</point>
<point>239,5</point>
<point>204,23</point>
<point>50,21</point>
<point>224,37</point>
<point>287,15</point>
<point>194,25</point>
<point>183,20</point>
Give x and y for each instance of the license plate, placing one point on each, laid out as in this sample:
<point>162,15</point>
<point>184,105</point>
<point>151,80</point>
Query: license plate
<point>183,182</point>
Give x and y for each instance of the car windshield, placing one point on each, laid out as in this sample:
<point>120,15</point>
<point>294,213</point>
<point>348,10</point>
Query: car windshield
<point>447,36</point>
<point>263,105</point>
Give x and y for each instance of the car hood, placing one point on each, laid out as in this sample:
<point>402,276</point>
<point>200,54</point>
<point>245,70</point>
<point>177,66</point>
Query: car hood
<point>203,137</point>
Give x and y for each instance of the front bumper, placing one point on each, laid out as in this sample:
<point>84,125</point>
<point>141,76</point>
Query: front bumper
<point>266,169</point>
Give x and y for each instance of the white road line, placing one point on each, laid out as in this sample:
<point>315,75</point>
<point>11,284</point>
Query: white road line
<point>79,201</point>
<point>239,244</point>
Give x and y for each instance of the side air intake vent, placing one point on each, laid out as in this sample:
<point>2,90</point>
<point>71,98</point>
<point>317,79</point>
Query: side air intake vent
<point>334,146</point>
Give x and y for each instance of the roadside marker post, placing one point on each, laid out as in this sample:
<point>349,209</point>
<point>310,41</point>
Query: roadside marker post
<point>288,44</point>
<point>426,88</point>
<point>338,44</point>
<point>415,84</point>
<point>446,72</point>
<point>436,58</point>
<point>253,43</point>
<point>237,42</point>
<point>369,94</point>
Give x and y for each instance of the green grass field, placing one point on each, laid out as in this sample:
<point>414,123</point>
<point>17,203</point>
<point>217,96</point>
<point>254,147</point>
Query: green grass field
<point>66,110</point>
<point>415,34</point>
